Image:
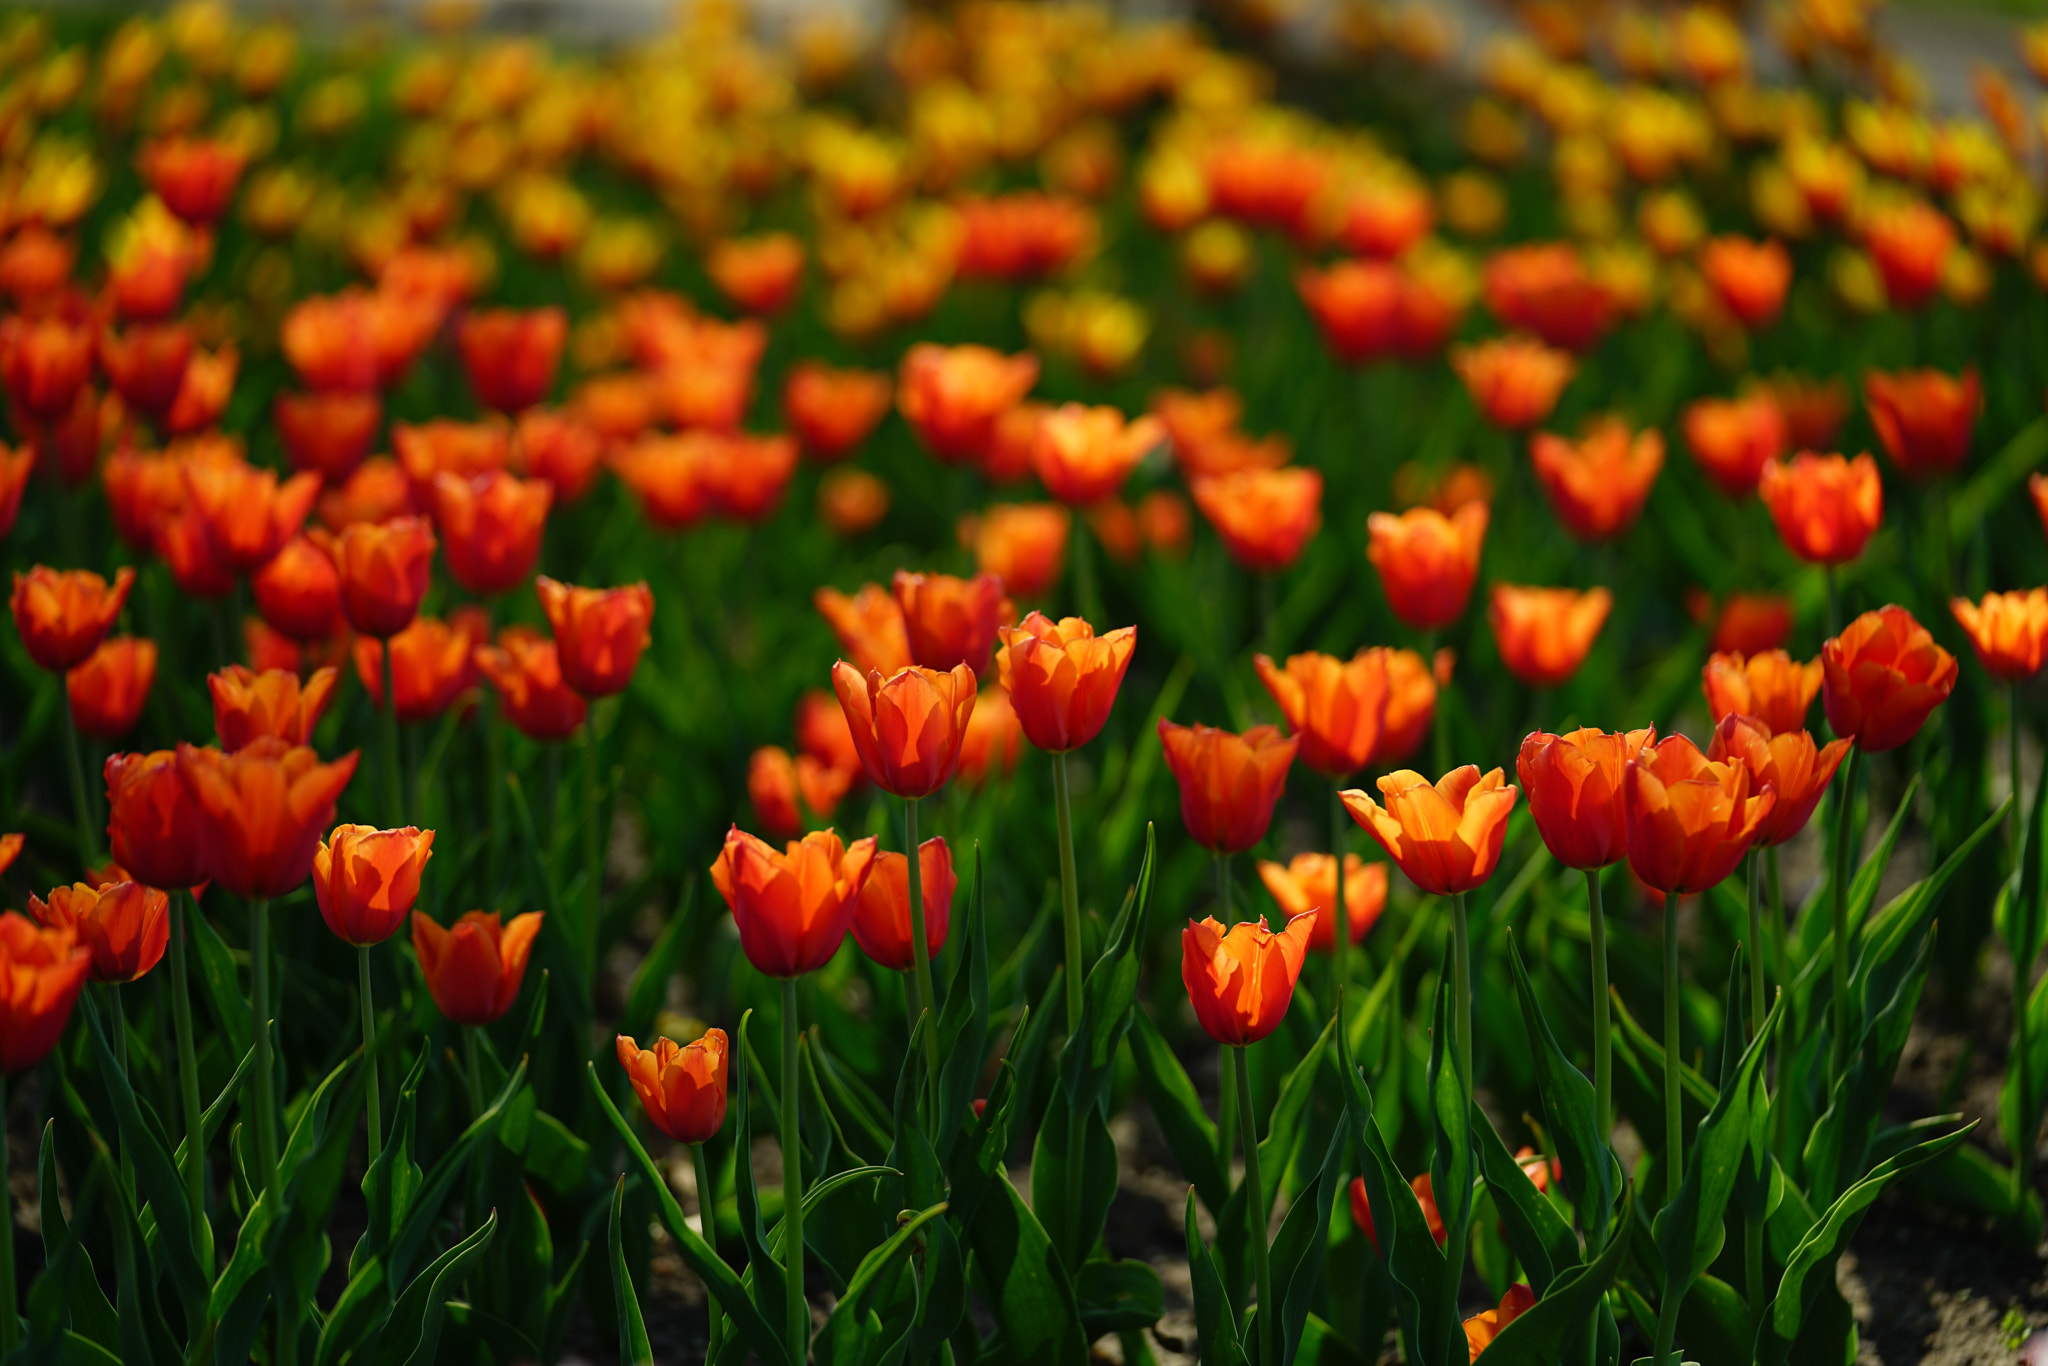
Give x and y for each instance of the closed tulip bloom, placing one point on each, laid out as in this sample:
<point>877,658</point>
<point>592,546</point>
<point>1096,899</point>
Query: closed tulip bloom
<point>377,491</point>
<point>782,789</point>
<point>145,364</point>
<point>248,704</point>
<point>559,448</point>
<point>993,740</point>
<point>1446,836</point>
<point>443,446</point>
<point>126,926</point>
<point>1545,288</point>
<point>430,665</point>
<point>204,392</point>
<point>1264,517</point>
<point>1732,439</point>
<point>299,590</point>
<point>600,633</point>
<point>833,411</point>
<point>1063,678</point>
<point>1689,819</point>
<point>527,672</point>
<point>869,625</point>
<point>510,355</point>
<point>1751,623</point>
<point>1598,485</point>
<point>671,476</point>
<point>1482,1328</point>
<point>107,691</point>
<point>194,177</point>
<point>152,821</point>
<point>881,920</point>
<point>1910,243</point>
<point>953,395</point>
<point>63,615</point>
<point>681,1086</point>
<point>247,513</point>
<point>792,908</point>
<point>1544,634</point>
<point>1787,762</point>
<point>1228,782</point>
<point>328,433</point>
<point>1411,705</point>
<point>1335,707</point>
<point>1006,459</point>
<point>1515,381</point>
<point>1022,544</point>
<point>1813,409</point>
<point>45,364</point>
<point>1750,278</point>
<point>1574,787</point>
<point>950,620</point>
<point>1772,687</point>
<point>1882,677</point>
<point>2009,632</point>
<point>41,973</point>
<point>1427,562</point>
<point>822,731</point>
<point>385,568</point>
<point>366,880</point>
<point>1924,417</point>
<point>1307,885</point>
<point>1083,454</point>
<point>1241,980</point>
<point>261,811</point>
<point>1825,507</point>
<point>907,727</point>
<point>475,966</point>
<point>490,527</point>
<point>15,468</point>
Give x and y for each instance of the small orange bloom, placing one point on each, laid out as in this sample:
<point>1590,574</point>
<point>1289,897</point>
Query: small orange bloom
<point>908,727</point>
<point>143,491</point>
<point>1446,836</point>
<point>1228,782</point>
<point>1062,678</point>
<point>1116,527</point>
<point>153,824</point>
<point>2037,488</point>
<point>366,880</point>
<point>1750,278</point>
<point>1544,634</point>
<point>559,449</point>
<point>833,411</point>
<point>1307,885</point>
<point>1598,485</point>
<point>952,396</point>
<point>792,908</point>
<point>1357,307</point>
<point>1164,523</point>
<point>248,515</point>
<point>63,615</point>
<point>385,568</point>
<point>328,432</point>
<point>108,690</point>
<point>1750,623</point>
<point>527,673</point>
<point>1910,243</point>
<point>1545,288</point>
<point>15,468</point>
<point>1022,544</point>
<point>1411,703</point>
<point>41,973</point>
<point>1515,380</point>
<point>1574,787</point>
<point>2009,631</point>
<point>204,392</point>
<point>949,620</point>
<point>869,625</point>
<point>777,783</point>
<point>1083,455</point>
<point>490,527</point>
<point>1770,686</point>
<point>744,475</point>
<point>1022,236</point>
<point>1825,506</point>
<point>600,633</point>
<point>1689,819</point>
<point>194,177</point>
<point>1263,516</point>
<point>1882,677</point>
<point>681,1087</point>
<point>426,449</point>
<point>1195,418</point>
<point>1361,1209</point>
<point>1924,417</point>
<point>670,475</point>
<point>510,355</point>
<point>852,501</point>
<point>993,740</point>
<point>1733,439</point>
<point>125,925</point>
<point>1482,1328</point>
<point>247,704</point>
<point>1012,443</point>
<point>430,664</point>
<point>299,590</point>
<point>474,967</point>
<point>881,918</point>
<point>822,732</point>
<point>45,364</point>
<point>261,811</point>
<point>1813,409</point>
<point>1241,980</point>
<point>1335,707</point>
<point>759,274</point>
<point>1787,763</point>
<point>1427,561</point>
<point>145,364</point>
<point>376,491</point>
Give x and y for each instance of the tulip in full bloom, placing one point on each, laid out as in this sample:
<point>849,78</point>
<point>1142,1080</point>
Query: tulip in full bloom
<point>490,527</point>
<point>385,568</point>
<point>474,967</point>
<point>1826,507</point>
<point>1598,485</point>
<point>125,925</point>
<point>1307,884</point>
<point>1063,678</point>
<point>1514,380</point>
<point>153,824</point>
<point>107,691</point>
<point>993,740</point>
<point>63,615</point>
<point>299,590</point>
<point>1689,820</point>
<point>1750,278</point>
<point>1228,783</point>
<point>527,672</point>
<point>881,920</point>
<point>1083,455</point>
<point>1787,762</point>
<point>430,665</point>
<point>1241,980</point>
<point>1022,544</point>
<point>1263,516</point>
<point>952,396</point>
<point>2009,632</point>
<point>681,1086</point>
<point>600,633</point>
<point>1427,561</point>
<point>793,907</point>
<point>1544,634</point>
<point>1924,417</point>
<point>907,727</point>
<point>261,811</point>
<point>248,704</point>
<point>833,411</point>
<point>510,356</point>
<point>950,620</point>
<point>41,973</point>
<point>1335,707</point>
<point>1574,786</point>
<point>1882,677</point>
<point>1446,836</point>
<point>1482,1328</point>
<point>1771,686</point>
<point>1733,439</point>
<point>869,625</point>
<point>328,433</point>
<point>366,880</point>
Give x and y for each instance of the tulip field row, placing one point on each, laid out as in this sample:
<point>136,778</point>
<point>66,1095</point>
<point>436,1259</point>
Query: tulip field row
<point>723,699</point>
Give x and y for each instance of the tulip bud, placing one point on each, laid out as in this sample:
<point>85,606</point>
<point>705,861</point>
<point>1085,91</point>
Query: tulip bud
<point>1241,980</point>
<point>474,967</point>
<point>682,1087</point>
<point>366,880</point>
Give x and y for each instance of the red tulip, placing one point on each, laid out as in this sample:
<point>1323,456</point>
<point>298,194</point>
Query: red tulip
<point>153,823</point>
<point>792,908</point>
<point>125,925</point>
<point>366,880</point>
<point>107,691</point>
<point>1882,677</point>
<point>1063,678</point>
<point>600,633</point>
<point>881,920</point>
<point>474,967</point>
<point>682,1088</point>
<point>907,727</point>
<point>1228,783</point>
<point>261,811</point>
<point>41,973</point>
<point>63,615</point>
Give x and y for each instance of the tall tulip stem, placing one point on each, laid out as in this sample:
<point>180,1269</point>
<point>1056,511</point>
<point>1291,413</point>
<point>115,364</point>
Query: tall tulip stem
<point>1834,601</point>
<point>373,1102</point>
<point>1255,1209</point>
<point>1838,896</point>
<point>394,784</point>
<point>88,854</point>
<point>793,1183</point>
<point>1070,891</point>
<point>1603,1016</point>
<point>707,1218</point>
<point>266,1080</point>
<point>188,1069</point>
<point>1226,1083</point>
<point>921,954</point>
<point>10,1321</point>
<point>1674,1113</point>
<point>2022,973</point>
<point>1752,877</point>
<point>118,1016</point>
<point>593,853</point>
<point>1461,989</point>
<point>1340,913</point>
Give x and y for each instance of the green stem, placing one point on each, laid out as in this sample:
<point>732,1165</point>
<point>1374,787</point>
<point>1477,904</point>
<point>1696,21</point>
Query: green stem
<point>1070,892</point>
<point>1753,1269</point>
<point>88,854</point>
<point>1340,914</point>
<point>394,790</point>
<point>266,1080</point>
<point>372,1100</point>
<point>119,1019</point>
<point>10,1320</point>
<point>1845,807</point>
<point>1834,601</point>
<point>1226,1083</point>
<point>793,1184</point>
<point>1603,1015</point>
<point>2022,975</point>
<point>593,854</point>
<point>1674,1114</point>
<point>1461,989</point>
<point>473,1067</point>
<point>1256,1211</point>
<point>188,1071</point>
<point>921,956</point>
<point>1752,879</point>
<point>707,1216</point>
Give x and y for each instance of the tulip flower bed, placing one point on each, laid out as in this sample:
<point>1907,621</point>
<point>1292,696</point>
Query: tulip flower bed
<point>605,646</point>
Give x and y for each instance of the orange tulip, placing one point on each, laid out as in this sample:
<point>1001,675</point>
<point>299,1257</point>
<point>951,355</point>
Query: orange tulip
<point>952,396</point>
<point>107,691</point>
<point>2009,632</point>
<point>1427,561</point>
<point>358,339</point>
<point>1307,885</point>
<point>1445,836</point>
<point>993,740</point>
<point>1910,243</point>
<point>490,527</point>
<point>1411,705</point>
<point>2037,488</point>
<point>681,1087</point>
<point>1813,409</point>
<point>446,447</point>
<point>1023,544</point>
<point>45,364</point>
<point>298,590</point>
<point>261,811</point>
<point>1022,236</point>
<point>1825,506</point>
<point>1062,678</point>
<point>366,880</point>
<point>600,633</point>
<point>247,514</point>
<point>63,615</point>
<point>41,973</point>
<point>1771,686</point>
<point>1882,677</point>
<point>328,433</point>
<point>758,274</point>
<point>833,411</point>
<point>1733,439</point>
<point>792,908</point>
<point>430,665</point>
<point>203,394</point>
<point>869,625</point>
<point>511,355</point>
<point>881,919</point>
<point>1515,380</point>
<point>1335,707</point>
<point>1749,623</point>
<point>670,475</point>
<point>1241,980</point>
<point>1228,783</point>
<point>1924,417</point>
<point>562,450</point>
<point>15,468</point>
<point>247,704</point>
<point>1786,762</point>
<point>125,925</point>
<point>1544,634</point>
<point>1598,485</point>
<point>1545,288</point>
<point>1083,455</point>
<point>1357,306</point>
<point>1163,522</point>
<point>377,491</point>
<point>527,672</point>
<point>385,568</point>
<point>1012,442</point>
<point>907,727</point>
<point>1361,1209</point>
<point>10,849</point>
<point>1574,787</point>
<point>194,177</point>
<point>745,474</point>
<point>776,784</point>
<point>951,621</point>
<point>153,823</point>
<point>475,966</point>
<point>1689,820</point>
<point>822,731</point>
<point>1750,278</point>
<point>1263,516</point>
<point>1482,1328</point>
<point>145,364</point>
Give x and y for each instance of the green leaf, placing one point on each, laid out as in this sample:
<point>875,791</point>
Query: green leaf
<point>2022,918</point>
<point>89,1311</point>
<point>963,1022</point>
<point>414,1330</point>
<point>1538,1337</point>
<point>1570,1115</point>
<point>1118,1297</point>
<point>1216,1336</point>
<point>1450,1163</point>
<point>1837,1150</point>
<point>1052,1164</point>
<point>1894,929</point>
<point>1714,1323</point>
<point>223,984</point>
<point>1299,1249</point>
<point>1023,1282</point>
<point>1028,1049</point>
<point>633,1347</point>
<point>2033,1066</point>
<point>426,1203</point>
<point>839,1343</point>
<point>769,1294</point>
<point>555,1156</point>
<point>1107,999</point>
<point>357,1320</point>
<point>393,1177</point>
<point>1173,1102</point>
<point>1284,1126</point>
<point>1543,1242</point>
